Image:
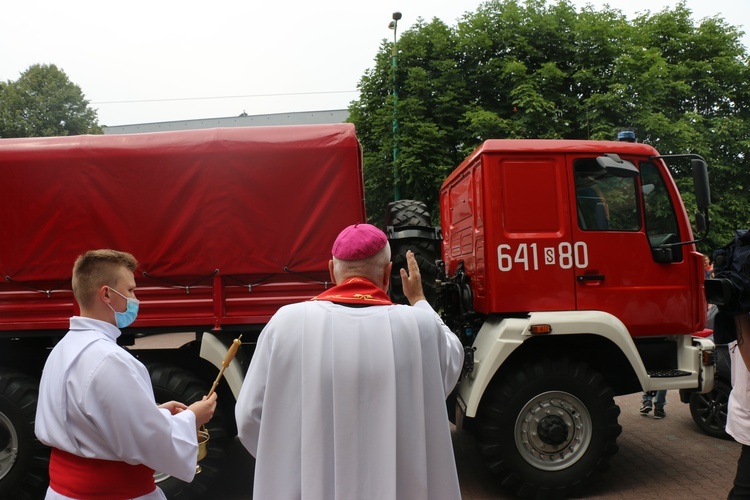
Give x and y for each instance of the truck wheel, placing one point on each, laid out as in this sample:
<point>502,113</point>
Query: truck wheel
<point>172,383</point>
<point>548,428</point>
<point>411,213</point>
<point>24,461</point>
<point>709,411</point>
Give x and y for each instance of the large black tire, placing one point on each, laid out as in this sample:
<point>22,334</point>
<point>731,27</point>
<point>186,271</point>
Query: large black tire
<point>24,461</point>
<point>548,428</point>
<point>709,411</point>
<point>172,383</point>
<point>407,213</point>
<point>411,213</point>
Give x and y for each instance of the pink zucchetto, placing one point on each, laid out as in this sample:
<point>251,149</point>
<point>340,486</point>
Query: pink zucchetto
<point>359,242</point>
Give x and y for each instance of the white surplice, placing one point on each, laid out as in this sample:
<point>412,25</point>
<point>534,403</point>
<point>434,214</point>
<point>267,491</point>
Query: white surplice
<point>347,403</point>
<point>738,406</point>
<point>96,401</point>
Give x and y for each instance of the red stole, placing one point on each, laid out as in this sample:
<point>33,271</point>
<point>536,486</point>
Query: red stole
<point>356,291</point>
<point>94,479</point>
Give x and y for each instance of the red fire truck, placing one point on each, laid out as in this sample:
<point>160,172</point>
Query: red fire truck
<point>570,272</point>
<point>567,268</point>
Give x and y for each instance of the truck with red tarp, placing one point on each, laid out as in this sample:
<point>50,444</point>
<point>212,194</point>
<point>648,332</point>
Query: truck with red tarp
<point>567,268</point>
<point>227,224</point>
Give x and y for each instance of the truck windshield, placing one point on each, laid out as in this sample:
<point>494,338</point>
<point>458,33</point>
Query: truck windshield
<point>605,202</point>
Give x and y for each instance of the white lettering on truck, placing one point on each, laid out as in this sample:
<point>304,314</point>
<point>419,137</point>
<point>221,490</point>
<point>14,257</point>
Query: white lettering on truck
<point>564,255</point>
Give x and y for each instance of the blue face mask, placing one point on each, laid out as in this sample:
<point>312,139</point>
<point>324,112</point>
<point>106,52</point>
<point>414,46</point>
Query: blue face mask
<point>126,318</point>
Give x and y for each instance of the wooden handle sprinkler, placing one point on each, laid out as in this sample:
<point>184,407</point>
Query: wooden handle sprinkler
<point>203,436</point>
<point>224,364</point>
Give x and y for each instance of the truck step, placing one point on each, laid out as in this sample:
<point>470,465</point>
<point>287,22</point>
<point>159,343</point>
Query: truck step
<point>668,373</point>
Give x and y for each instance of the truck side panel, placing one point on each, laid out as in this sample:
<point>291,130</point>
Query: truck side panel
<point>462,212</point>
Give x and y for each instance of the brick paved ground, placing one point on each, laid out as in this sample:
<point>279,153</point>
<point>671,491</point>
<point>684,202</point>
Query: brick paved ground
<point>660,459</point>
<point>665,459</point>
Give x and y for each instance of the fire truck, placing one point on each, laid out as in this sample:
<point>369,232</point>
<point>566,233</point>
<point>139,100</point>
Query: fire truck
<point>567,268</point>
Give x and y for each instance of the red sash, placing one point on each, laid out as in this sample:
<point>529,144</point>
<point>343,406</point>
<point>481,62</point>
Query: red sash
<point>356,291</point>
<point>94,479</point>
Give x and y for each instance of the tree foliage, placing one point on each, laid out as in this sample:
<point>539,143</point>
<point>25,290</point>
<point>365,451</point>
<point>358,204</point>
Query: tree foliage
<point>536,69</point>
<point>44,102</point>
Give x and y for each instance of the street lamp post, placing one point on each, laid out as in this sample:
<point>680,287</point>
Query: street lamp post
<point>393,25</point>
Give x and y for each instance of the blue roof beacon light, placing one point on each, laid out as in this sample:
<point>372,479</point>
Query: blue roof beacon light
<point>626,136</point>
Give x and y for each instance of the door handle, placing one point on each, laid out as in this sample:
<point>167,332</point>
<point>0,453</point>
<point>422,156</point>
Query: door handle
<point>590,277</point>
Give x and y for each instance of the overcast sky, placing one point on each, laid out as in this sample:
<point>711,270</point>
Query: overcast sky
<point>161,60</point>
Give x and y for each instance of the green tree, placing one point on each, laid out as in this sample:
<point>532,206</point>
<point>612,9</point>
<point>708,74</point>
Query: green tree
<point>44,102</point>
<point>431,92</point>
<point>525,69</point>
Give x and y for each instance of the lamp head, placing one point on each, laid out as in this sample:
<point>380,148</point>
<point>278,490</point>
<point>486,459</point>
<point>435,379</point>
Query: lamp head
<point>396,16</point>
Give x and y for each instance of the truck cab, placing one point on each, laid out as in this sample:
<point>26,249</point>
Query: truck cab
<point>542,228</point>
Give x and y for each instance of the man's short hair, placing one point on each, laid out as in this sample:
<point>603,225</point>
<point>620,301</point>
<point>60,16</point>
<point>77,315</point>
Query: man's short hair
<point>97,268</point>
<point>371,267</point>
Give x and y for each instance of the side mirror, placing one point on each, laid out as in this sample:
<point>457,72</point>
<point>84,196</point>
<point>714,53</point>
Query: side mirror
<point>700,222</point>
<point>663,255</point>
<point>700,184</point>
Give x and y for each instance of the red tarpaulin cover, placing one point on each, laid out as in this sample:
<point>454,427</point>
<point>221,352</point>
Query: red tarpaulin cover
<point>240,200</point>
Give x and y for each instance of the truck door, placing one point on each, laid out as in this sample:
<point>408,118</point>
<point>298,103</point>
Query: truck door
<point>617,222</point>
<point>530,242</point>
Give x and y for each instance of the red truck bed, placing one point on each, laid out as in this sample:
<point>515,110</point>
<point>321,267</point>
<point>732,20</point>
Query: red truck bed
<point>228,224</point>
